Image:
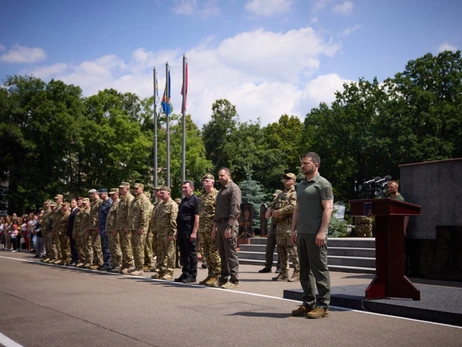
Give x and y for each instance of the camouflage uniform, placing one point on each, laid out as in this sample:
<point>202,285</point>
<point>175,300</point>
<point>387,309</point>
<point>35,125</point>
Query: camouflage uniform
<point>113,236</point>
<point>166,226</point>
<point>209,246</point>
<point>55,243</point>
<point>153,226</point>
<point>84,236</point>
<point>76,233</point>
<point>46,225</point>
<point>148,246</point>
<point>138,226</point>
<point>285,204</point>
<point>122,221</point>
<point>363,226</point>
<point>102,216</point>
<point>95,253</point>
<point>63,238</point>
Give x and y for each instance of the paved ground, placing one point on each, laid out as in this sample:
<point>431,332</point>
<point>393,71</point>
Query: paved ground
<point>43,305</point>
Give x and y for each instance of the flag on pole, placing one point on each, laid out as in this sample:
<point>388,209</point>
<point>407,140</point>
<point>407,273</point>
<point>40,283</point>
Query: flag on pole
<point>166,105</point>
<point>184,89</point>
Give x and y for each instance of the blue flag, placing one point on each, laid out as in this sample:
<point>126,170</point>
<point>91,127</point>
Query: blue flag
<point>166,105</point>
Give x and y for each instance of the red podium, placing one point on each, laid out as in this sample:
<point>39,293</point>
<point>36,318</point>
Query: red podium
<point>389,280</point>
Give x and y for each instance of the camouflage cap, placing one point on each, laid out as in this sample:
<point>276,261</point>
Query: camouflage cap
<point>124,185</point>
<point>92,191</point>
<point>85,200</point>
<point>157,188</point>
<point>276,192</point>
<point>59,196</point>
<point>138,185</point>
<point>65,203</point>
<point>290,176</point>
<point>113,191</point>
<point>166,189</point>
<point>208,176</point>
<point>53,204</point>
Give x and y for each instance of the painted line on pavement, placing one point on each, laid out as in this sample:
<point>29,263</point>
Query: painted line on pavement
<point>148,279</point>
<point>7,342</point>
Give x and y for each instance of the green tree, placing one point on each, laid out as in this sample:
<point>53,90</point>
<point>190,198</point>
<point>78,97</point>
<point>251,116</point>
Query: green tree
<point>252,193</point>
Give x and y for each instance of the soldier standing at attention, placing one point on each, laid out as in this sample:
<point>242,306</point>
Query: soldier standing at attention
<point>102,215</point>
<point>138,226</point>
<point>187,224</point>
<point>147,266</point>
<point>74,210</point>
<point>315,204</point>
<point>207,204</point>
<point>63,238</point>
<point>166,232</point>
<point>76,232</point>
<point>84,235</point>
<point>96,254</point>
<point>55,217</point>
<point>111,232</point>
<point>45,227</point>
<point>122,221</point>
<point>225,229</point>
<point>153,225</point>
<point>281,209</point>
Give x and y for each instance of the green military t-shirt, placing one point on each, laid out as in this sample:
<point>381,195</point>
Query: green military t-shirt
<point>310,195</point>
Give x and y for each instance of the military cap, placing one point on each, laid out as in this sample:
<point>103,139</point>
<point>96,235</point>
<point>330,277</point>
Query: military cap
<point>289,176</point>
<point>113,191</point>
<point>138,185</point>
<point>46,202</point>
<point>165,188</point>
<point>276,192</point>
<point>66,203</point>
<point>53,204</point>
<point>157,188</point>
<point>208,176</point>
<point>59,196</point>
<point>92,191</point>
<point>124,184</point>
<point>86,200</point>
<point>102,190</point>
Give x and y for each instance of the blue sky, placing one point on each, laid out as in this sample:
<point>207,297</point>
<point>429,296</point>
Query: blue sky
<point>268,57</point>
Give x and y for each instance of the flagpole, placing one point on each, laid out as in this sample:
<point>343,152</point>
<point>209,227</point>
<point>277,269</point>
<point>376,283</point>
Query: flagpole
<point>154,75</point>
<point>167,84</point>
<point>183,111</point>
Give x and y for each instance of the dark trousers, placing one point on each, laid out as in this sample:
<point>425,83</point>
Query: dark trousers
<point>270,246</point>
<point>74,252</point>
<point>188,251</point>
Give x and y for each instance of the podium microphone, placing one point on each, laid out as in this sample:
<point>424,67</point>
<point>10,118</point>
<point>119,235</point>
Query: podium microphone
<point>374,180</point>
<point>385,179</point>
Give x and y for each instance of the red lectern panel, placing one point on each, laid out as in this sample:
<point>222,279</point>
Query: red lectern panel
<point>389,280</point>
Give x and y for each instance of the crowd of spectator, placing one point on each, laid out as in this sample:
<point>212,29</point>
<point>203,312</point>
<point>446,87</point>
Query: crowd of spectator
<point>19,234</point>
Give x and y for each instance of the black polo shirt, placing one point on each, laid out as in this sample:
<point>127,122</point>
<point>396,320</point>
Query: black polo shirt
<point>189,207</point>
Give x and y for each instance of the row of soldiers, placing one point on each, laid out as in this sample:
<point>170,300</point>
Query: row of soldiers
<point>121,232</point>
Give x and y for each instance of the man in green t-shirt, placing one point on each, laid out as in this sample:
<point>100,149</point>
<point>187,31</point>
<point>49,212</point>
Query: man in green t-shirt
<point>315,201</point>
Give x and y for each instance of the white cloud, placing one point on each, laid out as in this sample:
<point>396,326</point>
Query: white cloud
<point>265,74</point>
<point>344,9</point>
<point>21,54</point>
<point>2,48</point>
<point>447,47</point>
<point>349,31</point>
<point>192,7</point>
<point>268,8</point>
<point>319,5</point>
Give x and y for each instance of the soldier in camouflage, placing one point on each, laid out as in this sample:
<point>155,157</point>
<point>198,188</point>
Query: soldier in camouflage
<point>102,215</point>
<point>148,244</point>
<point>166,232</point>
<point>55,217</point>
<point>84,234</point>
<point>207,204</point>
<point>62,232</point>
<point>95,252</point>
<point>281,210</point>
<point>153,224</point>
<point>122,221</point>
<point>111,232</point>
<point>46,222</point>
<point>138,226</point>
<point>76,232</point>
